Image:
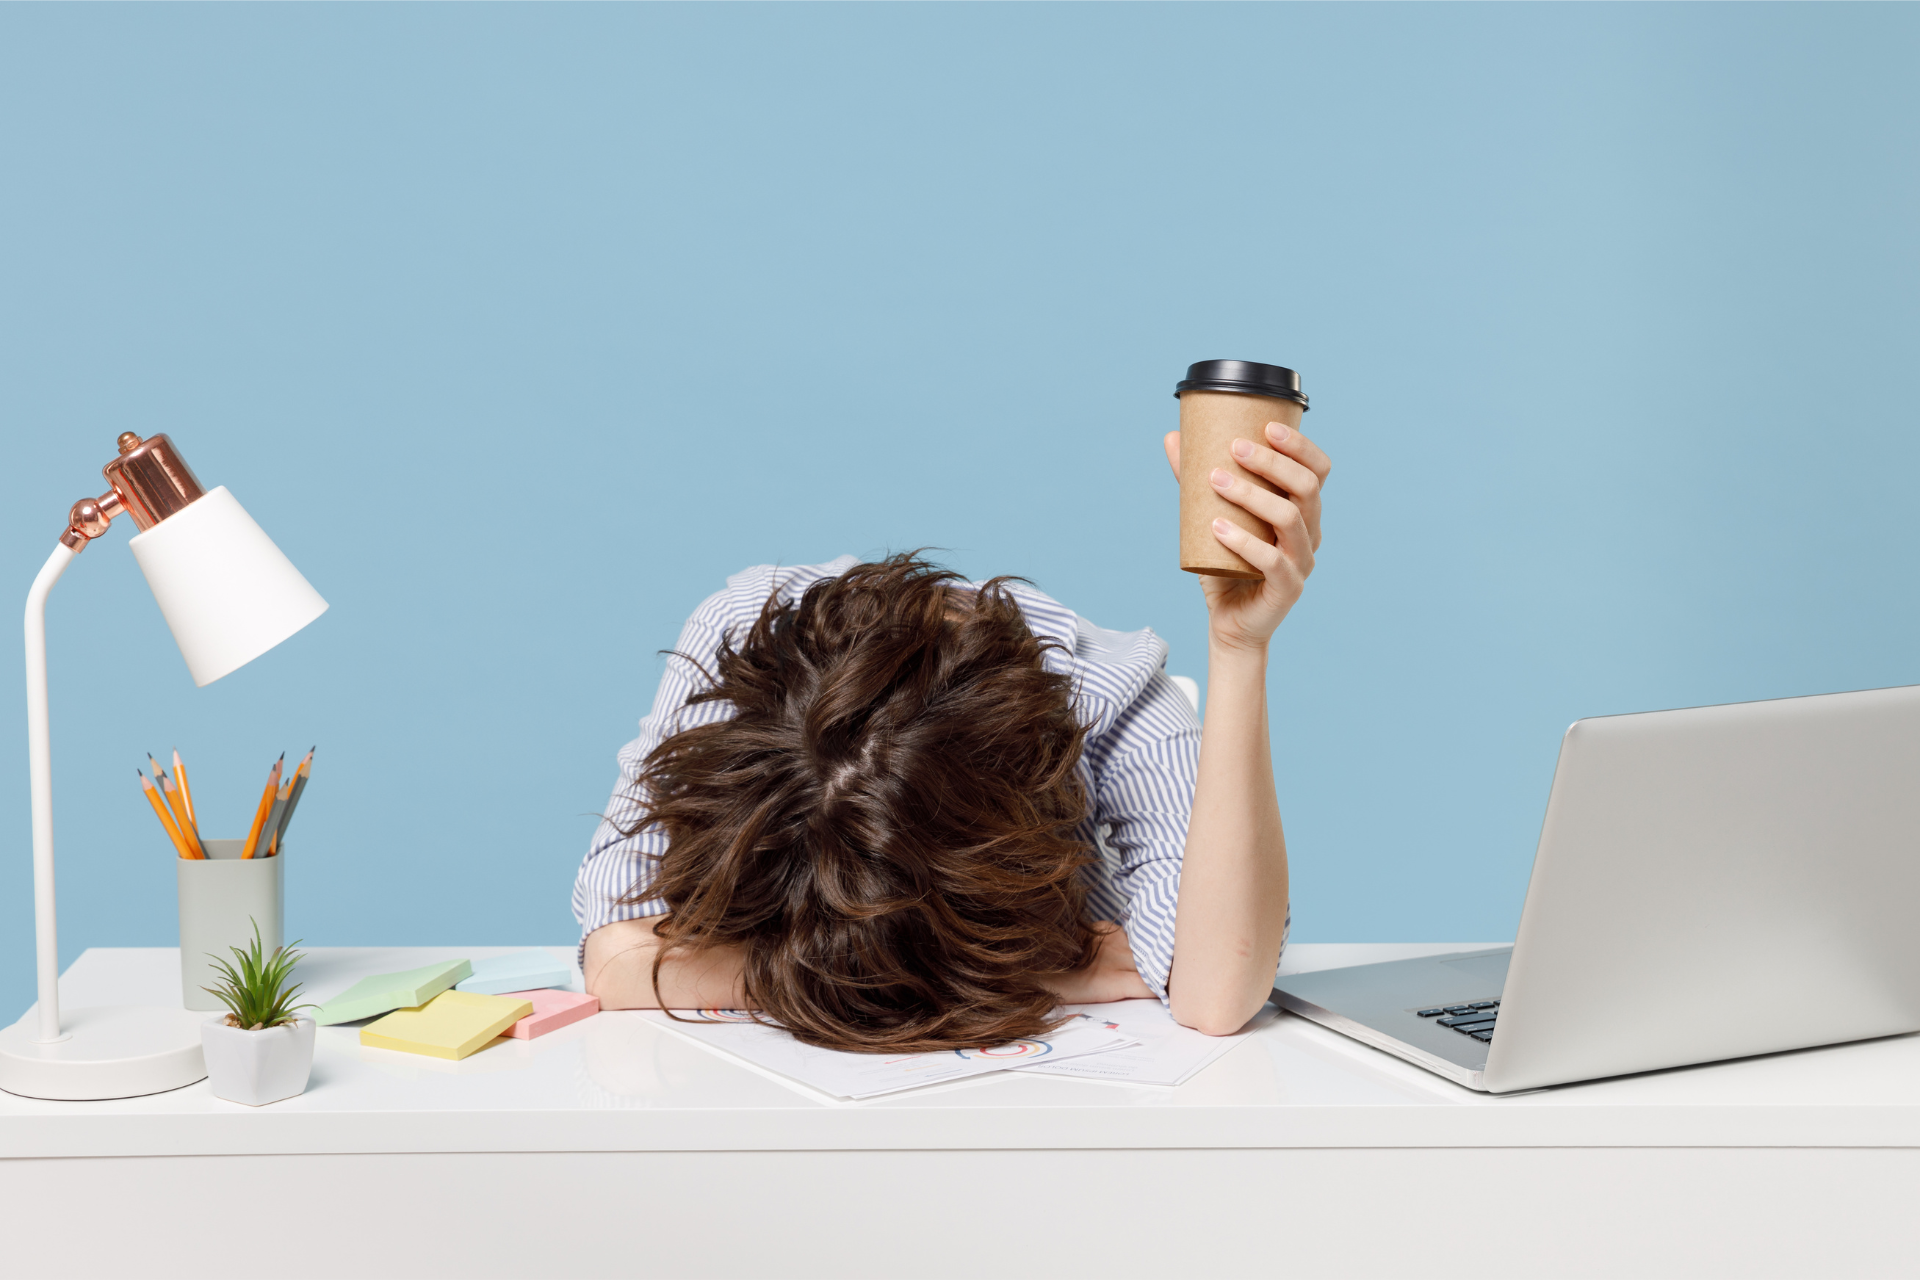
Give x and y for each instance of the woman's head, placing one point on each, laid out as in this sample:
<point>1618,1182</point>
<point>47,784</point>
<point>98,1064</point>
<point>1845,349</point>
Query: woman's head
<point>885,825</point>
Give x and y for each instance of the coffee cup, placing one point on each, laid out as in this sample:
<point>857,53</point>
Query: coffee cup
<point>1220,401</point>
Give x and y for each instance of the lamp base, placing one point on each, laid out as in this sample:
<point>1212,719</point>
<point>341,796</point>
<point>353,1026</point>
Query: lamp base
<point>107,1051</point>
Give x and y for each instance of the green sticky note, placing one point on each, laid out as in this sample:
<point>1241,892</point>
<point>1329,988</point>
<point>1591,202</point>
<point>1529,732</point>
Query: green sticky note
<point>386,992</point>
<point>451,1025</point>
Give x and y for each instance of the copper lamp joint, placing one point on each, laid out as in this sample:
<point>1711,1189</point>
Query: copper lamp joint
<point>150,480</point>
<point>89,519</point>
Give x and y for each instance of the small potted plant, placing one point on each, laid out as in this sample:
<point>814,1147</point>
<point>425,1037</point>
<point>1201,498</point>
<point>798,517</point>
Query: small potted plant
<point>259,1051</point>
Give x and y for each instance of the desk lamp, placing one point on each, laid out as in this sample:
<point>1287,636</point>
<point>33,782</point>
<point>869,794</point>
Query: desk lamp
<point>228,595</point>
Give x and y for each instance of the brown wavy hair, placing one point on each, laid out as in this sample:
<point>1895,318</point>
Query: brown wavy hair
<point>885,825</point>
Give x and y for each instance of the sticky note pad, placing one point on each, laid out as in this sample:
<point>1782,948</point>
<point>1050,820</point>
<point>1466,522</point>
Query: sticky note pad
<point>552,1010</point>
<point>451,1025</point>
<point>521,971</point>
<point>387,991</point>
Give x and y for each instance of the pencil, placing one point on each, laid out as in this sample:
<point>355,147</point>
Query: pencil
<point>293,800</point>
<point>161,780</point>
<point>181,822</point>
<point>266,803</point>
<point>271,831</point>
<point>186,792</point>
<point>160,812</point>
<point>181,819</point>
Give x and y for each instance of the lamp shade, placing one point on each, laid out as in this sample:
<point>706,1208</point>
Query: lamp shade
<point>226,591</point>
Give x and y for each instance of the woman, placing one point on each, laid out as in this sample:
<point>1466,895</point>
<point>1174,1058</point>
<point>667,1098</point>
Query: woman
<point>896,812</point>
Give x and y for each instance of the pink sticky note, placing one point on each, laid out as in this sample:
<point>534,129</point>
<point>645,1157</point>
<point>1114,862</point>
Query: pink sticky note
<point>551,1011</point>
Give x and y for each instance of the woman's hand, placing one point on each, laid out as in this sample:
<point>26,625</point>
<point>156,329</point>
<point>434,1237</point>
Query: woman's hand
<point>1242,613</point>
<point>619,969</point>
<point>1111,976</point>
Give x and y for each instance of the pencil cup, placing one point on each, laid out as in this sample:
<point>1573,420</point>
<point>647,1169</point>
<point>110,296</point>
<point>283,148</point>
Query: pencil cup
<point>220,899</point>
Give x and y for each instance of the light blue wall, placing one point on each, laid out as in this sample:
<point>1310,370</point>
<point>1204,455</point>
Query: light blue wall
<point>519,328</point>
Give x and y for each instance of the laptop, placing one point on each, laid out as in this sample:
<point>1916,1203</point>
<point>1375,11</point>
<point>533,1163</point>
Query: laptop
<point>1710,883</point>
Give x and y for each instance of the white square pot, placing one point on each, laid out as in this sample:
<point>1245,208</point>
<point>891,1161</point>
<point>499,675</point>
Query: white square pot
<point>257,1067</point>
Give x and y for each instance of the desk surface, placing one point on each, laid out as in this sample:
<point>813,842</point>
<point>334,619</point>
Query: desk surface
<point>617,1083</point>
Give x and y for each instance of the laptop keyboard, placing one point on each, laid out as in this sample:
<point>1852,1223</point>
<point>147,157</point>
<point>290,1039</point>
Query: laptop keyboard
<point>1474,1019</point>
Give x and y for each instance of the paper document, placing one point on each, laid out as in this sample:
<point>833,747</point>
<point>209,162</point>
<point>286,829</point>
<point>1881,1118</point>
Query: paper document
<point>1166,1053</point>
<point>867,1075</point>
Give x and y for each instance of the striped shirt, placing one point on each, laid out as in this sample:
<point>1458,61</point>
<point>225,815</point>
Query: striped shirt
<point>1138,766</point>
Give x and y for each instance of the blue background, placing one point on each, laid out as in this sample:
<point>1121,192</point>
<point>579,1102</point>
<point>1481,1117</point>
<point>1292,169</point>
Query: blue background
<point>520,328</point>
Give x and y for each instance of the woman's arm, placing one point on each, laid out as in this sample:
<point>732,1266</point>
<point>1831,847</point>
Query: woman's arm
<point>1232,910</point>
<point>619,969</point>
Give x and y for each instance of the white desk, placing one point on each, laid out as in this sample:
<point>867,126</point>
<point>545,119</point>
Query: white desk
<point>612,1147</point>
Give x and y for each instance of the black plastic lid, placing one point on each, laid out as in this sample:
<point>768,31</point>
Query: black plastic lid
<point>1245,377</point>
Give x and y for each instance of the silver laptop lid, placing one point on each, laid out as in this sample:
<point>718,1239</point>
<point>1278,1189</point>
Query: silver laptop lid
<point>1717,882</point>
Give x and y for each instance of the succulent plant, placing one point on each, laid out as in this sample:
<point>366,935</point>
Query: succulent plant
<point>257,993</point>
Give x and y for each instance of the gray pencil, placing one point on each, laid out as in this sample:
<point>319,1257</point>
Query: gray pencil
<point>293,801</point>
<point>271,826</point>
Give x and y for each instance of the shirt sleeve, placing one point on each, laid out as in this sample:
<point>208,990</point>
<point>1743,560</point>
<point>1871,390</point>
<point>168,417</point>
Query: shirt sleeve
<point>621,866</point>
<point>1144,769</point>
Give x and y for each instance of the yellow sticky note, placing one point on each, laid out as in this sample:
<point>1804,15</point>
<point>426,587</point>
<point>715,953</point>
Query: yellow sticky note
<point>451,1025</point>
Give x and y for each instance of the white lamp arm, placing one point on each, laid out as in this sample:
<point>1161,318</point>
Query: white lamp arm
<point>158,479</point>
<point>40,773</point>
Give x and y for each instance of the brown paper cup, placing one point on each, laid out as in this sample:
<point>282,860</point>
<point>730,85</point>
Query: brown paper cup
<point>1210,421</point>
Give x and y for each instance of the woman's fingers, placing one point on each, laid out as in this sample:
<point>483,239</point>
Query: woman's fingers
<point>1282,438</point>
<point>1300,449</point>
<point>1291,476</point>
<point>1293,464</point>
<point>1242,492</point>
<point>1289,559</point>
<point>1262,555</point>
<point>1295,478</point>
<point>1290,522</point>
<point>1282,570</point>
<point>1297,538</point>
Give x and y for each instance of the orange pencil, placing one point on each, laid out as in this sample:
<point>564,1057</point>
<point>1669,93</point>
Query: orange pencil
<point>160,812</point>
<point>186,792</point>
<point>300,770</point>
<point>266,804</point>
<point>192,837</point>
<point>182,820</point>
<point>160,780</point>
